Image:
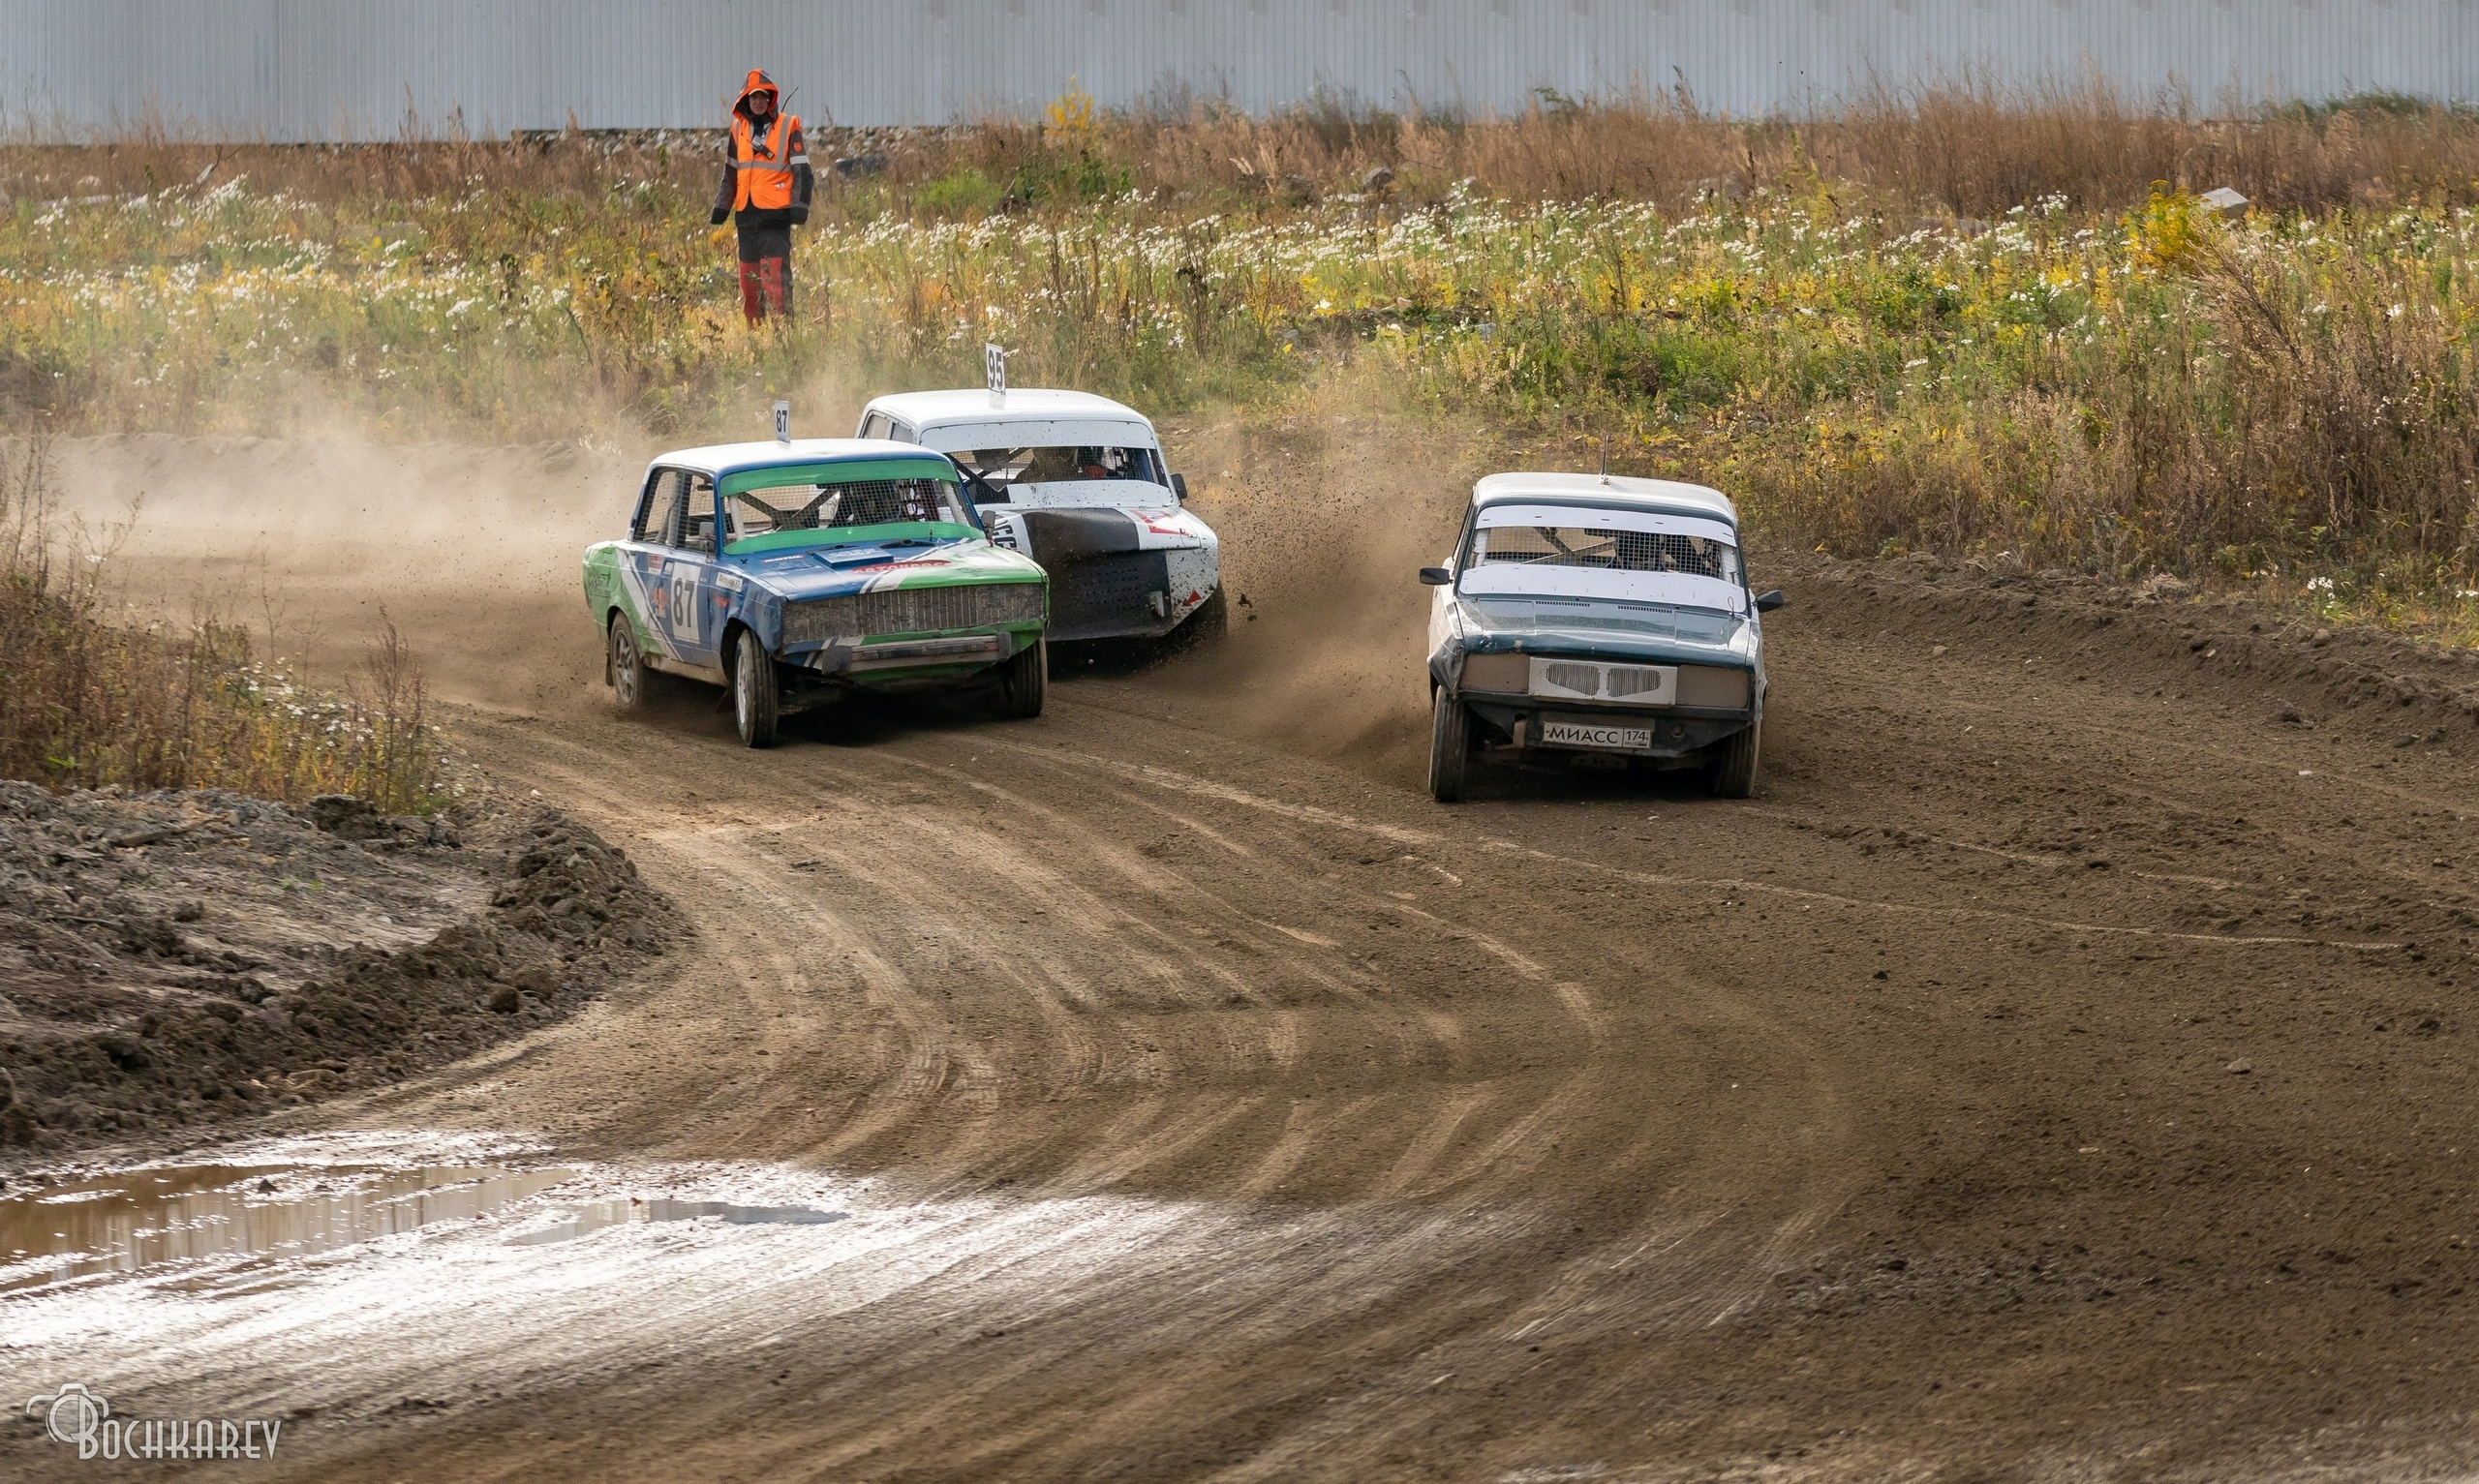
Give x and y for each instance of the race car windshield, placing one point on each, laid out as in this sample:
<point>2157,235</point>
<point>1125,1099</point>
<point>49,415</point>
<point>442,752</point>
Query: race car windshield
<point>833,506</point>
<point>1604,550</point>
<point>998,468</point>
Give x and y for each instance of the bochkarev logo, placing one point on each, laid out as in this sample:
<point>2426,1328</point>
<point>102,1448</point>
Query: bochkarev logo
<point>75,1415</point>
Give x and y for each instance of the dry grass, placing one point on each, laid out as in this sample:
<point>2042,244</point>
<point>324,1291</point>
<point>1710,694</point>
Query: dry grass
<point>92,695</point>
<point>1968,149</point>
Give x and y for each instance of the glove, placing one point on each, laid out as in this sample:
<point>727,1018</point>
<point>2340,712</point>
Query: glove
<point>721,215</point>
<point>800,216</point>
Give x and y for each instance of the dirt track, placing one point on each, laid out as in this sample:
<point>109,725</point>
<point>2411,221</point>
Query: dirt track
<point>2063,1069</point>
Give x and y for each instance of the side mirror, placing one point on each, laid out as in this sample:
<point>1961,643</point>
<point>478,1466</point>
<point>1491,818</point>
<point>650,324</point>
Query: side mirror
<point>1179,488</point>
<point>1766,602</point>
<point>1436,577</point>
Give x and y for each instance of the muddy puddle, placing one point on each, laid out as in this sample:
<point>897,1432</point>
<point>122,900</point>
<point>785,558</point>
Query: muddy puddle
<point>151,1218</point>
<point>621,1213</point>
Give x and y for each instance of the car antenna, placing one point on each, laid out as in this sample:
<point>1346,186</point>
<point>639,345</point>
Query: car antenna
<point>1604,453</point>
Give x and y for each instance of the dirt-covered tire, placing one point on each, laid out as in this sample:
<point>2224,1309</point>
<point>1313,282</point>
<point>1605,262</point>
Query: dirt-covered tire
<point>758,697</point>
<point>1449,748</point>
<point>1731,768</point>
<point>1023,681</point>
<point>624,666</point>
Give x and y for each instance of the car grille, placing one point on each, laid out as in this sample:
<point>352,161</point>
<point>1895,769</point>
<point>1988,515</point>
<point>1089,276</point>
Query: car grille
<point>912,611</point>
<point>1578,680</point>
<point>1712,687</point>
<point>1626,681</point>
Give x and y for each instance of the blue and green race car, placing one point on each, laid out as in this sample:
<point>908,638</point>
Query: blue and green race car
<point>796,572</point>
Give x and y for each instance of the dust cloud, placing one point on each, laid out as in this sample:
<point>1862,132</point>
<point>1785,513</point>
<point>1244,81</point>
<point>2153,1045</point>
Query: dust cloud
<point>1325,521</point>
<point>472,551</point>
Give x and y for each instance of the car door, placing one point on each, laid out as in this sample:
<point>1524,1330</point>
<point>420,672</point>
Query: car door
<point>642,556</point>
<point>685,587</point>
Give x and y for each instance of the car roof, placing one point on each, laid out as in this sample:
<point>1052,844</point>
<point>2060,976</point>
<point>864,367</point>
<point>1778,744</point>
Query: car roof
<point>1036,404</point>
<point>720,459</point>
<point>1613,489</point>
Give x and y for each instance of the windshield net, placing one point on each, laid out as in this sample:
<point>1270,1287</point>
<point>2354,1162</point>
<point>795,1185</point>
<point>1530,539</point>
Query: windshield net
<point>828,506</point>
<point>1612,550</point>
<point>998,468</point>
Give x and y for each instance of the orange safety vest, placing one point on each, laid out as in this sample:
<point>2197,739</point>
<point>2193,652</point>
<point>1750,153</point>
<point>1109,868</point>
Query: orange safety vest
<point>764,172</point>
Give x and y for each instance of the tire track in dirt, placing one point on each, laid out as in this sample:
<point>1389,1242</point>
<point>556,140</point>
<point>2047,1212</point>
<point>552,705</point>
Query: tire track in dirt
<point>1869,1133</point>
<point>1461,1132</point>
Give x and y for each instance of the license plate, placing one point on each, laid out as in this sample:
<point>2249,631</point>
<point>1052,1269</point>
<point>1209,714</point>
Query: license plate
<point>1583,734</point>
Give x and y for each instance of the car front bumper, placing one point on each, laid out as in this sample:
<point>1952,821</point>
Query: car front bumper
<point>1519,722</point>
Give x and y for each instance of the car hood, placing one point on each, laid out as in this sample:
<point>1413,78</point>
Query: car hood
<point>834,571</point>
<point>1600,626</point>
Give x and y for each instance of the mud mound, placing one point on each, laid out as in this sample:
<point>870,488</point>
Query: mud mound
<point>177,957</point>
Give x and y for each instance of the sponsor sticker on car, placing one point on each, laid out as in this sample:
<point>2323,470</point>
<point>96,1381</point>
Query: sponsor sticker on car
<point>1592,734</point>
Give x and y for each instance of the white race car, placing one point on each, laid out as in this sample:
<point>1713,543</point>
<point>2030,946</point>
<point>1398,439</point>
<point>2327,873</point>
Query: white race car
<point>1597,615</point>
<point>1078,483</point>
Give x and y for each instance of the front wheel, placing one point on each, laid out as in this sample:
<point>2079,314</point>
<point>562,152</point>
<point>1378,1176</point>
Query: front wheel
<point>756,696</point>
<point>1449,748</point>
<point>1732,766</point>
<point>1023,681</point>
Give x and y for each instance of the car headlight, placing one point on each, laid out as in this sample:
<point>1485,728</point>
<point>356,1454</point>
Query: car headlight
<point>1717,687</point>
<point>1503,674</point>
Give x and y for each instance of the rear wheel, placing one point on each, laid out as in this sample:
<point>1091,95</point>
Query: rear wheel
<point>1022,683</point>
<point>757,698</point>
<point>1449,748</point>
<point>1732,769</point>
<point>624,666</point>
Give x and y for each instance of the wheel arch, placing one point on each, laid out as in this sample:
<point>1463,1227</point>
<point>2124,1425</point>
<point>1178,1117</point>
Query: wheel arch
<point>728,644</point>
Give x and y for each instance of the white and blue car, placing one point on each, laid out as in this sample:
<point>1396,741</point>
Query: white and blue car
<point>1593,614</point>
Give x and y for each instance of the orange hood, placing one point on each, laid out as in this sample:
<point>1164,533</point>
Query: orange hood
<point>758,82</point>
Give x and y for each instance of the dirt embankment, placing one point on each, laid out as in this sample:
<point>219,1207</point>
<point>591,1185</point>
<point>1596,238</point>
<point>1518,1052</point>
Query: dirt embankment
<point>2296,673</point>
<point>181,957</point>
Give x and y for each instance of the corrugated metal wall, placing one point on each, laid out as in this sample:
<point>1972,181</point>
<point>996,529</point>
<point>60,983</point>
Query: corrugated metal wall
<point>289,69</point>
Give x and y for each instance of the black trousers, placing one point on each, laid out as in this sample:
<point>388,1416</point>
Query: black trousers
<point>765,265</point>
<point>762,238</point>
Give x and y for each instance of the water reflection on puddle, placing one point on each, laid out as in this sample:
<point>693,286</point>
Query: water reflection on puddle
<point>621,1213</point>
<point>141,1217</point>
